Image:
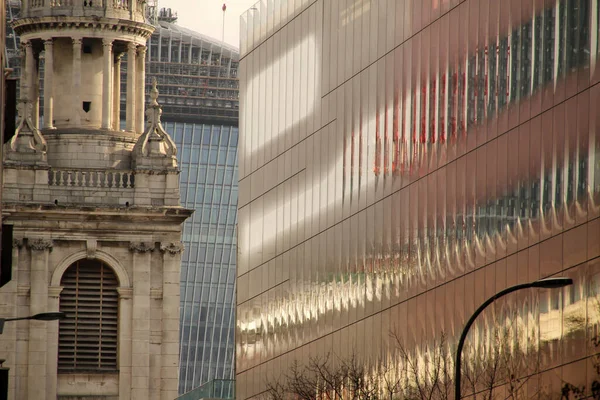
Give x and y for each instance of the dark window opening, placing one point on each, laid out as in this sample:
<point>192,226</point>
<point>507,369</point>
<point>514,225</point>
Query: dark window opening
<point>87,105</point>
<point>87,339</point>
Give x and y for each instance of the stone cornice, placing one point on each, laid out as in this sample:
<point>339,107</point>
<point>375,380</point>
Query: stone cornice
<point>96,214</point>
<point>57,24</point>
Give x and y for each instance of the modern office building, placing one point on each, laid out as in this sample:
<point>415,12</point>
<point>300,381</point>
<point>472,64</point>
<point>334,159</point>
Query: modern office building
<point>400,162</point>
<point>198,92</point>
<point>200,98</point>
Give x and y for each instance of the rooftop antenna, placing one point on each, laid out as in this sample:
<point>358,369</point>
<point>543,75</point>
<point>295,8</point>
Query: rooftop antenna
<point>224,8</point>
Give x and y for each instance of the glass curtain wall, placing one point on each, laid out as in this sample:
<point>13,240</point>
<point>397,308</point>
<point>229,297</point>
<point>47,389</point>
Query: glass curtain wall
<point>403,160</point>
<point>207,156</point>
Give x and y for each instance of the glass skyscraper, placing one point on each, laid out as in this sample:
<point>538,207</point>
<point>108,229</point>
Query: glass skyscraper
<point>400,162</point>
<point>197,79</point>
<point>207,157</point>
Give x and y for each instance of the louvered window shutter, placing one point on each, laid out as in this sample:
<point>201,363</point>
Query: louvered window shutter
<point>88,335</point>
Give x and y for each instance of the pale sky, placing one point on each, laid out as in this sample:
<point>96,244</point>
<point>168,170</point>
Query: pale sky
<point>206,16</point>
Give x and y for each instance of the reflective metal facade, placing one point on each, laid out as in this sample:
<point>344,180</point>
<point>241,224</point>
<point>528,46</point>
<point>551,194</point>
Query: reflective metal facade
<point>207,156</point>
<point>403,160</point>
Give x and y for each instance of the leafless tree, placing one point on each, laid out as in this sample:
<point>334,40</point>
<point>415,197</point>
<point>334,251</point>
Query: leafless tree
<point>500,357</point>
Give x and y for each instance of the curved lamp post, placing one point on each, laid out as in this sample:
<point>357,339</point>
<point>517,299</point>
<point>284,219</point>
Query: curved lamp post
<point>47,316</point>
<point>549,283</point>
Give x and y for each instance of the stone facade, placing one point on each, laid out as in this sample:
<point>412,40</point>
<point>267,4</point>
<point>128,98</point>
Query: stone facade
<point>79,189</point>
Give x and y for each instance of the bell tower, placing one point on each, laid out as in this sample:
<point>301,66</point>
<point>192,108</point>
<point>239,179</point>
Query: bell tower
<point>95,211</point>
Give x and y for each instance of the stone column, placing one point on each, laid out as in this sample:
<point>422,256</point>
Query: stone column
<point>141,89</point>
<point>125,315</point>
<point>116,120</point>
<point>76,103</point>
<point>27,85</point>
<point>140,341</point>
<point>23,62</point>
<point>52,340</point>
<point>38,298</point>
<point>170,320</point>
<point>49,84</point>
<point>107,75</point>
<point>131,67</point>
<point>35,90</point>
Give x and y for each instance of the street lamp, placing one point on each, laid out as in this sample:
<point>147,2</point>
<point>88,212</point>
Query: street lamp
<point>549,283</point>
<point>47,316</point>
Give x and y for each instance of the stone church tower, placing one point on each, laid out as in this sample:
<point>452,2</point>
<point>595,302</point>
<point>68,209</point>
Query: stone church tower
<point>95,209</point>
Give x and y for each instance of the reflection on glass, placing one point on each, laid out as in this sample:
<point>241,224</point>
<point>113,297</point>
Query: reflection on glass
<point>428,178</point>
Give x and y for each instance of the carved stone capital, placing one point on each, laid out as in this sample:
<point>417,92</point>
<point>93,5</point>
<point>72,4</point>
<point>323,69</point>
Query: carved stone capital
<point>132,47</point>
<point>125,293</point>
<point>77,42</point>
<point>18,242</point>
<point>107,43</point>
<point>141,50</point>
<point>141,247</point>
<point>172,248</point>
<point>48,43</point>
<point>54,291</point>
<point>40,244</point>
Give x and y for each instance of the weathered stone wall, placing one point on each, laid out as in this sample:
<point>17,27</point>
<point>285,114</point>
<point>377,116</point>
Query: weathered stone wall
<point>147,266</point>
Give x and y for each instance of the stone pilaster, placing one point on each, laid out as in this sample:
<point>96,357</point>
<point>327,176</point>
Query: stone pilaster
<point>170,320</point>
<point>107,75</point>
<point>35,91</point>
<point>76,104</point>
<point>48,84</point>
<point>140,342</point>
<point>38,298</point>
<point>27,85</point>
<point>116,120</point>
<point>131,87</point>
<point>125,336</point>
<point>52,339</point>
<point>140,89</point>
<point>21,351</point>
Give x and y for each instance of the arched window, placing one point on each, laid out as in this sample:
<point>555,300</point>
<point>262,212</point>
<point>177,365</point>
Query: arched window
<point>87,339</point>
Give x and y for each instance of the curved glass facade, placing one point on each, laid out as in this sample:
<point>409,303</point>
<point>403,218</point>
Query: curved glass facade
<point>207,156</point>
<point>403,160</point>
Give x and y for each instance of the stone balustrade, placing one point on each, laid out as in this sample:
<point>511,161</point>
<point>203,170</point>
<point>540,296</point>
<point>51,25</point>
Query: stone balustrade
<point>119,4</point>
<point>117,179</point>
<point>82,8</point>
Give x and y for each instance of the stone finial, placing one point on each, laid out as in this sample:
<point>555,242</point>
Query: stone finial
<point>27,146</point>
<point>155,148</point>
